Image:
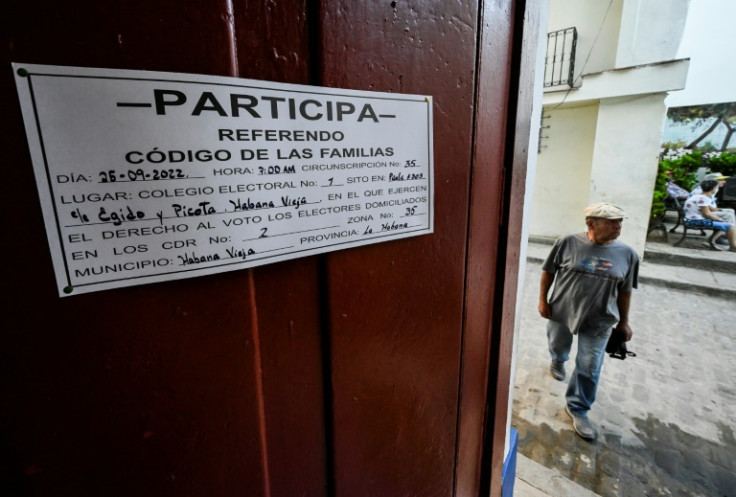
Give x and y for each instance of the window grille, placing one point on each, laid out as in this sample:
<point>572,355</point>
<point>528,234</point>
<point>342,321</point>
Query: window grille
<point>559,63</point>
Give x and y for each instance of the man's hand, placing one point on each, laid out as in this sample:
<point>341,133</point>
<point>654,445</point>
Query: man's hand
<point>544,309</point>
<point>626,329</point>
<point>544,285</point>
<point>624,300</point>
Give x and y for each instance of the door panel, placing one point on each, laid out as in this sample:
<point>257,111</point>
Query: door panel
<point>398,308</point>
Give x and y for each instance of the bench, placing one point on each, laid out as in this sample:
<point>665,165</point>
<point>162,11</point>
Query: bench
<point>670,204</point>
<point>701,225</point>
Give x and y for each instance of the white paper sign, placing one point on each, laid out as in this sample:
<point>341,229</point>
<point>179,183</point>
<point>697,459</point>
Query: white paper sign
<point>150,176</point>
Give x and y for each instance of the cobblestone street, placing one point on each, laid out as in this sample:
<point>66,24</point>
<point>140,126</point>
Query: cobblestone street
<point>666,417</point>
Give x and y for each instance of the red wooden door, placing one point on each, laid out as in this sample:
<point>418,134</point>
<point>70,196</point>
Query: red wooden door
<point>365,372</point>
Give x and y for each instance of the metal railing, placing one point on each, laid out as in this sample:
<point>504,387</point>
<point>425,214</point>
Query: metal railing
<point>559,63</point>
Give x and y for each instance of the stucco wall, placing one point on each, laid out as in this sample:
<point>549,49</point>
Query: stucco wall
<point>620,34</point>
<point>603,137</point>
<point>562,182</point>
<point>597,25</point>
<point>650,32</point>
<point>625,159</point>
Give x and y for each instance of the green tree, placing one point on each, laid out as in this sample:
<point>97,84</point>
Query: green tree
<point>722,114</point>
<point>681,171</point>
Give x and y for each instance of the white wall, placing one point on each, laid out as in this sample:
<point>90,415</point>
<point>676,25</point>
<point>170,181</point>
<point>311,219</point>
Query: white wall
<point>632,81</point>
<point>650,31</point>
<point>604,135</point>
<point>625,158</point>
<point>621,33</point>
<point>597,23</point>
<point>562,184</point>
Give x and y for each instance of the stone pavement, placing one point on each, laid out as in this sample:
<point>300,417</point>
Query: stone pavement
<point>667,417</point>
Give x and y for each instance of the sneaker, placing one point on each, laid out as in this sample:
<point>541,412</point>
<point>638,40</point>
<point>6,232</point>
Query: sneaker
<point>558,370</point>
<point>722,240</point>
<point>582,425</point>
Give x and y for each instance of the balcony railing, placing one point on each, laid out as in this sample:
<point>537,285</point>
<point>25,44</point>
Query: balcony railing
<point>559,64</point>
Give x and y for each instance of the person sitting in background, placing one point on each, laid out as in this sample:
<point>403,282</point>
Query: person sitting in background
<point>725,215</point>
<point>700,206</point>
<point>674,190</point>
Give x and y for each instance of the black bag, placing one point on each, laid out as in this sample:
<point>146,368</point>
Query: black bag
<point>616,346</point>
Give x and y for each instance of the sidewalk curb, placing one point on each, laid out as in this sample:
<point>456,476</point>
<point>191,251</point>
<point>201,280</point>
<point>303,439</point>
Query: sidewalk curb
<point>710,291</point>
<point>688,261</point>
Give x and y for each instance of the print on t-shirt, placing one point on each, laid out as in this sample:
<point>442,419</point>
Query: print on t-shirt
<point>596,264</point>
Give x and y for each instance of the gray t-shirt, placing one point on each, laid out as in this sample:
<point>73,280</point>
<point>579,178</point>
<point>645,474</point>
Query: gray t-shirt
<point>588,280</point>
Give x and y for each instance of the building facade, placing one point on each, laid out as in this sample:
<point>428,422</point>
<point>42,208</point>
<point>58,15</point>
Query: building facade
<point>604,110</point>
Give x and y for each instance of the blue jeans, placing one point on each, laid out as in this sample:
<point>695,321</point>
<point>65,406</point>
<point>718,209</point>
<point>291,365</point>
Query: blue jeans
<point>583,383</point>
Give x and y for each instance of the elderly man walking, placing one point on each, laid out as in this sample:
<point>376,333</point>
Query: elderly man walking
<point>593,275</point>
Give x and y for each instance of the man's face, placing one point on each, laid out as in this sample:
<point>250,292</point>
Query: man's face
<point>605,230</point>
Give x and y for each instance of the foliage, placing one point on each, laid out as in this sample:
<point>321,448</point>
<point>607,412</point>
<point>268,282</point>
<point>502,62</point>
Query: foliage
<point>666,147</point>
<point>660,193</point>
<point>690,113</point>
<point>708,147</point>
<point>681,165</point>
<point>723,163</point>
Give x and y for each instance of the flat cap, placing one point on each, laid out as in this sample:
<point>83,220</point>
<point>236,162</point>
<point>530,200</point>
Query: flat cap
<point>604,210</point>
